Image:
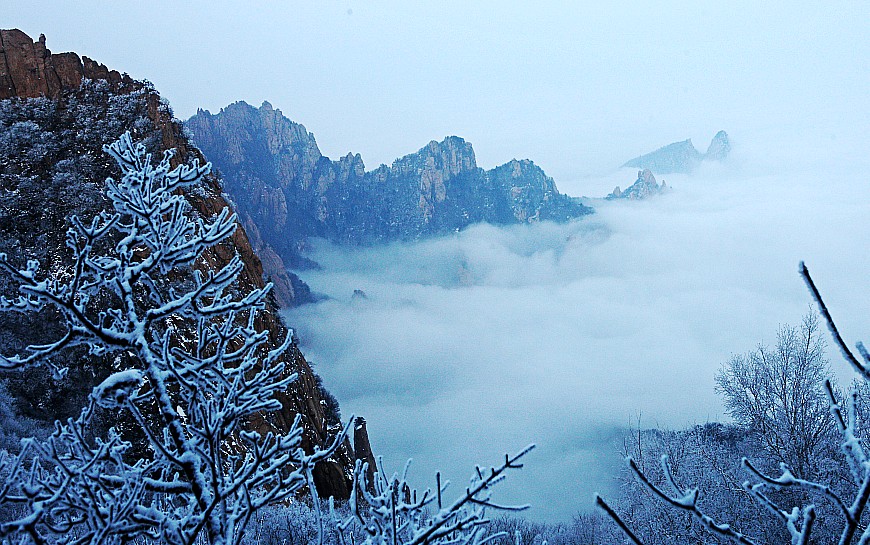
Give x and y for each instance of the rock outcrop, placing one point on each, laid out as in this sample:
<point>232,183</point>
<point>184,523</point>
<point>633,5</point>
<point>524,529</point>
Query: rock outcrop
<point>56,113</point>
<point>682,157</point>
<point>362,450</point>
<point>719,147</point>
<point>278,178</point>
<point>645,186</point>
<point>28,69</point>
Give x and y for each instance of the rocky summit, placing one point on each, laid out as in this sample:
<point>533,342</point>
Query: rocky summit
<point>719,147</point>
<point>645,186</point>
<point>682,157</point>
<point>289,191</point>
<point>29,69</point>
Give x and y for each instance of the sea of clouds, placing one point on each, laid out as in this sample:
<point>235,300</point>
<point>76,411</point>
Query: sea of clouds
<point>472,345</point>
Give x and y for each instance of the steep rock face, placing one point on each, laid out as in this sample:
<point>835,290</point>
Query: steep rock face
<point>362,450</point>
<point>277,176</point>
<point>645,186</point>
<point>28,69</point>
<point>682,157</point>
<point>719,147</point>
<point>52,165</point>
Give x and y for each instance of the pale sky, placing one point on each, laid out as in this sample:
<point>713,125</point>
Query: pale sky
<point>577,87</point>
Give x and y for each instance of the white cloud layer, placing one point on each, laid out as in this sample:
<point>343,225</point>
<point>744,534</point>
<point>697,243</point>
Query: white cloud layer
<point>476,344</point>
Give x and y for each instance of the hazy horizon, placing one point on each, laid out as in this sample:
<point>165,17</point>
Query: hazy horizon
<point>578,89</point>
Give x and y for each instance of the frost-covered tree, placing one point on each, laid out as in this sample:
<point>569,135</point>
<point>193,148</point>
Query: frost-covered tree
<point>389,512</point>
<point>777,391</point>
<point>705,456</point>
<point>794,499</point>
<point>52,167</point>
<point>192,371</point>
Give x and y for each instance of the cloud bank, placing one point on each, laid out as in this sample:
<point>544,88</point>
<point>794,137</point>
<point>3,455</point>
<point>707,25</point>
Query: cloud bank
<point>476,344</point>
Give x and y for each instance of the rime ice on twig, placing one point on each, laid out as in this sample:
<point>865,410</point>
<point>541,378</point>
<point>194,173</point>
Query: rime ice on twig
<point>798,521</point>
<point>201,369</point>
<point>392,513</point>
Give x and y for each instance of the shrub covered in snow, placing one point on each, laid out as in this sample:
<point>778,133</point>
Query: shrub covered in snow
<point>198,371</point>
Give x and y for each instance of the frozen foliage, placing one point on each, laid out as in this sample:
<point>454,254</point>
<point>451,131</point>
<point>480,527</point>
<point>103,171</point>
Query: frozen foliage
<point>194,373</point>
<point>52,167</point>
<point>198,370</point>
<point>297,524</point>
<point>778,391</point>
<point>705,456</point>
<point>810,502</point>
<point>388,512</point>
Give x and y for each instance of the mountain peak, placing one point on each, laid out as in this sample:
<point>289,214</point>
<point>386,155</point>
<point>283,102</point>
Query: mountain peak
<point>450,143</point>
<point>682,157</point>
<point>28,69</point>
<point>451,156</point>
<point>645,186</point>
<point>292,192</point>
<point>719,147</point>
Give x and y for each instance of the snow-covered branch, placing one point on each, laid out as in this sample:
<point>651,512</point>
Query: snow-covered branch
<point>848,499</point>
<point>389,512</point>
<point>198,370</point>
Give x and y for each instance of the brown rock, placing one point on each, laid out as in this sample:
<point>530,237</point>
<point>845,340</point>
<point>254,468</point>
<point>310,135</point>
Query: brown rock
<point>362,450</point>
<point>28,69</point>
<point>304,396</point>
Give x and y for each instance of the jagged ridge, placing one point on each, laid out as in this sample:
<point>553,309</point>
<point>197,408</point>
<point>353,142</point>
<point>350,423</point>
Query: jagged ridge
<point>277,176</point>
<point>682,157</point>
<point>645,186</point>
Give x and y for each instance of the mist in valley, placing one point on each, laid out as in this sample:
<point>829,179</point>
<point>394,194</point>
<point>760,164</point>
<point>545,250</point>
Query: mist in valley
<point>459,349</point>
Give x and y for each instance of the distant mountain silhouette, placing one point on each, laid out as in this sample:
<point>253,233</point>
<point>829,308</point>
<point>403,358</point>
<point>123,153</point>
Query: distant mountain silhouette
<point>682,157</point>
<point>645,186</point>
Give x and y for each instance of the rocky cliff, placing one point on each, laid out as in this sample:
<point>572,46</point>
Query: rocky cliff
<point>56,112</point>
<point>682,157</point>
<point>284,186</point>
<point>719,147</point>
<point>28,69</point>
<point>645,186</point>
